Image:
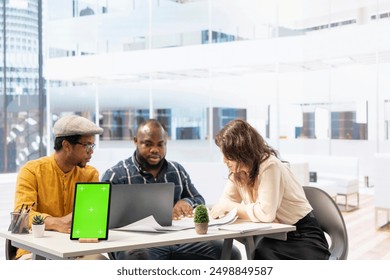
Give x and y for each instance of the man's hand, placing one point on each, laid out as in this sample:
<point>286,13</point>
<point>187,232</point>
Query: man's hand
<point>60,224</point>
<point>182,209</point>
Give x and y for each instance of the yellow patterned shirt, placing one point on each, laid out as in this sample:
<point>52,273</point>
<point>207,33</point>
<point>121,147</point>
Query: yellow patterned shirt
<point>42,182</point>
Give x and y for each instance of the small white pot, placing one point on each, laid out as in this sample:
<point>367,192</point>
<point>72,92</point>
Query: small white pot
<point>38,230</point>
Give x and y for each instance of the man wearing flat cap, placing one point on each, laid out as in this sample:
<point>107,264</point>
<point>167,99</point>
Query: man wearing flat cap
<point>47,184</point>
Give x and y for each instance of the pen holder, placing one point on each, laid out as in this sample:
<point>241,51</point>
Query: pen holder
<point>19,223</point>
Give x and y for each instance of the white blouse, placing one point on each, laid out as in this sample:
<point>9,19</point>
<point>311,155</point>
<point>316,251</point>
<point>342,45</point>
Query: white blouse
<point>280,197</point>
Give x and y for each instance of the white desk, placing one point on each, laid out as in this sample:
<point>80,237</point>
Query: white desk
<point>55,245</point>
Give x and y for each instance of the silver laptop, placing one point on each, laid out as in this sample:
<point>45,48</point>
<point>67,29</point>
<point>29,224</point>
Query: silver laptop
<point>132,202</point>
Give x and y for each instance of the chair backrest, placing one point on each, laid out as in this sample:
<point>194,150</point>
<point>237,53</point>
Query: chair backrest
<point>331,221</point>
<point>382,190</point>
<point>10,251</point>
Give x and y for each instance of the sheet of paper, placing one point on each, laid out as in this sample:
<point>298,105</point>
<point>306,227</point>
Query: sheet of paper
<point>189,221</point>
<point>149,224</point>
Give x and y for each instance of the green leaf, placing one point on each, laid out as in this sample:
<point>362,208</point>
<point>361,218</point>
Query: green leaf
<point>201,214</point>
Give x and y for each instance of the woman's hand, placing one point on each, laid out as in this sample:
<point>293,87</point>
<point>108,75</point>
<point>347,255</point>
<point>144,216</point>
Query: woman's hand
<point>219,210</point>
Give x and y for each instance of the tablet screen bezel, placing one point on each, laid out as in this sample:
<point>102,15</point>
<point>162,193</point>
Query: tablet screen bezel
<point>89,200</point>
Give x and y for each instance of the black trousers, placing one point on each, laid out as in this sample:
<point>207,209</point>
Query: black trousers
<point>307,242</point>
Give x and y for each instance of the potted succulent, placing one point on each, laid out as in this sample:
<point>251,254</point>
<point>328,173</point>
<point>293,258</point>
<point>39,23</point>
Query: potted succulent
<point>201,219</point>
<point>38,226</point>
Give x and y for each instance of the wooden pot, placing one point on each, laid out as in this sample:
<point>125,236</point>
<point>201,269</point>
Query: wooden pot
<point>201,228</point>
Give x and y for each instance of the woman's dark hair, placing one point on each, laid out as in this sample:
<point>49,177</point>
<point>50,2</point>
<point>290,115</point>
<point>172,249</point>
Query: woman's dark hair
<point>240,142</point>
<point>73,139</point>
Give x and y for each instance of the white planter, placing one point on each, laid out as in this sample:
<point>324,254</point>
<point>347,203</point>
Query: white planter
<point>38,230</point>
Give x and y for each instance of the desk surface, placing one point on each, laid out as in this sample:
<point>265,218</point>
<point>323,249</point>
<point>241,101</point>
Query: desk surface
<point>55,245</point>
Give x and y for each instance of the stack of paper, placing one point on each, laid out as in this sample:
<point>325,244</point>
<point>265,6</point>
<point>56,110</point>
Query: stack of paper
<point>149,224</point>
<point>189,221</point>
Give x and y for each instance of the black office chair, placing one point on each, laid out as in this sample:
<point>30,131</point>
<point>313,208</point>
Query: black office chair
<point>111,256</point>
<point>10,251</point>
<point>331,221</point>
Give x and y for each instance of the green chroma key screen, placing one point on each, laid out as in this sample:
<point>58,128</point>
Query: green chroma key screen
<point>91,211</point>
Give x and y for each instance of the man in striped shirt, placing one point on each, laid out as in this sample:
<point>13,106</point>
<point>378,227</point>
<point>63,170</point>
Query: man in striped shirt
<point>149,165</point>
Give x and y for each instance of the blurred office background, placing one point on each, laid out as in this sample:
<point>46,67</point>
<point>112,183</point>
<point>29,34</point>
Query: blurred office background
<point>310,75</point>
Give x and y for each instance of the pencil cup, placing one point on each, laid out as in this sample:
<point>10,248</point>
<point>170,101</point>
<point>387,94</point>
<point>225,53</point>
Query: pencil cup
<point>19,223</point>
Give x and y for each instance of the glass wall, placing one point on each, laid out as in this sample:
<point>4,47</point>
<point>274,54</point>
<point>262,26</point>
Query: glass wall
<point>152,59</point>
<point>22,98</point>
<point>310,75</point>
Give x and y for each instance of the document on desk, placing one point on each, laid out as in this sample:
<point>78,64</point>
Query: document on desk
<point>149,224</point>
<point>245,227</point>
<point>188,222</point>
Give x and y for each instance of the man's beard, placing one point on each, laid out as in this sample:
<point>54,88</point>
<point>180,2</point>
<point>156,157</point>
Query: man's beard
<point>145,165</point>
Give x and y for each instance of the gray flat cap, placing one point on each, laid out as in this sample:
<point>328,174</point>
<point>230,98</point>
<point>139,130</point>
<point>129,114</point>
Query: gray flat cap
<point>75,125</point>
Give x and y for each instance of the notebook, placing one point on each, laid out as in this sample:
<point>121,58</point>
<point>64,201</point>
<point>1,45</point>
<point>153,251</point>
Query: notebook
<point>133,202</point>
<point>91,209</point>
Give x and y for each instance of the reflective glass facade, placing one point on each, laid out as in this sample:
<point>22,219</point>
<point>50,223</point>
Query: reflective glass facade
<point>311,76</point>
<point>22,111</point>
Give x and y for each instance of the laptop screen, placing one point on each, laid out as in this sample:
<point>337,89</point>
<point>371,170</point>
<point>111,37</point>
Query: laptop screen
<point>91,210</point>
<point>133,202</point>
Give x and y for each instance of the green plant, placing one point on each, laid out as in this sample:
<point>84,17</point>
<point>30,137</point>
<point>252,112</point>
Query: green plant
<point>38,220</point>
<point>201,214</point>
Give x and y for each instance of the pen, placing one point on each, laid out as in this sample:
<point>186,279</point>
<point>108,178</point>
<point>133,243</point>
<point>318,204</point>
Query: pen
<point>29,209</point>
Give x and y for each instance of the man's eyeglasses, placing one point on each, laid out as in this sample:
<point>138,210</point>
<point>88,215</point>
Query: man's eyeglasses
<point>87,147</point>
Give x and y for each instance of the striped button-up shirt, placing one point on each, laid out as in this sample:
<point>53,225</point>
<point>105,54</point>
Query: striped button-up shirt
<point>128,171</point>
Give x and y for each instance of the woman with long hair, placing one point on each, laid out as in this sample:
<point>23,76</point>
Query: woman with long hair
<point>263,189</point>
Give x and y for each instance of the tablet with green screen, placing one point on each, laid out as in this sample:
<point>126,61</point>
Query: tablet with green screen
<point>91,210</point>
